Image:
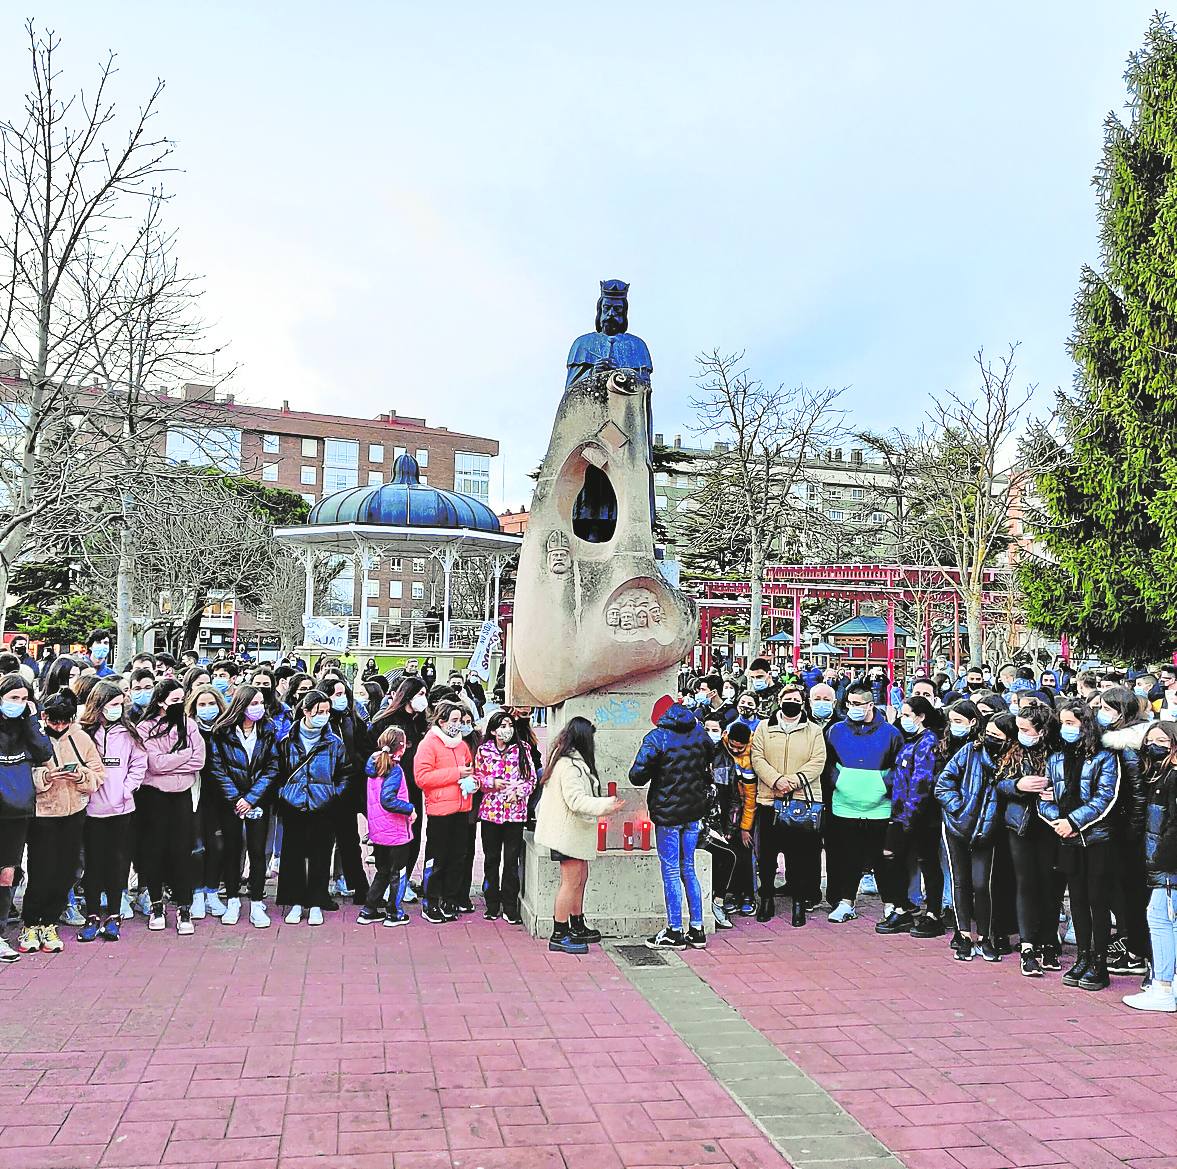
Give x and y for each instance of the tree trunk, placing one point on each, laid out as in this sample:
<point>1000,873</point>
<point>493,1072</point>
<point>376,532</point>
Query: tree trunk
<point>972,617</point>
<point>756,617</point>
<point>124,635</point>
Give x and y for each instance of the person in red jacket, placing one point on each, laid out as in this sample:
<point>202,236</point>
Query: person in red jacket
<point>444,772</point>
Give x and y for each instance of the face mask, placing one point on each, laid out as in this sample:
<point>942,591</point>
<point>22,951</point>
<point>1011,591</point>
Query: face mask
<point>1028,740</point>
<point>702,698</point>
<point>958,731</point>
<point>419,702</point>
<point>319,721</point>
<point>728,695</point>
<point>207,714</point>
<point>12,709</point>
<point>791,709</point>
<point>1157,750</point>
<point>909,725</point>
<point>112,712</point>
<point>505,733</point>
<point>100,653</point>
<point>759,683</point>
<point>140,698</point>
<point>689,702</point>
<point>715,736</point>
<point>19,650</point>
<point>339,702</point>
<point>1014,707</point>
<point>995,746</point>
<point>856,714</point>
<point>975,686</point>
<point>452,732</point>
<point>1070,734</point>
<point>1105,717</point>
<point>1140,692</point>
<point>467,730</point>
<point>822,708</point>
<point>221,685</point>
<point>256,711</point>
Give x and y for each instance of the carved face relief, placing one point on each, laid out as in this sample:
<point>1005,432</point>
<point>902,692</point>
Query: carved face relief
<point>613,616</point>
<point>559,554</point>
<point>628,618</point>
<point>633,614</point>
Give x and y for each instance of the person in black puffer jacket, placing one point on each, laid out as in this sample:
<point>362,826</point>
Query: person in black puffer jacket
<point>675,760</point>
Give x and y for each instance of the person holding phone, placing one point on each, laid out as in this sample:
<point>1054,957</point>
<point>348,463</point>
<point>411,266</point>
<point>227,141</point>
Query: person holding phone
<point>64,786</point>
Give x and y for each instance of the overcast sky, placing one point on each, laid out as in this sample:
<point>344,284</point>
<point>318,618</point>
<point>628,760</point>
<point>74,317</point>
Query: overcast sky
<point>409,205</point>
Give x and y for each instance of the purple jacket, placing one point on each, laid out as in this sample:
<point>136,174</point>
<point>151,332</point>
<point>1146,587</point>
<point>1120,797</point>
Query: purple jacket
<point>389,808</point>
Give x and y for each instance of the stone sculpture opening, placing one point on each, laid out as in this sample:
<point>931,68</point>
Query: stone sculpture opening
<point>594,514</point>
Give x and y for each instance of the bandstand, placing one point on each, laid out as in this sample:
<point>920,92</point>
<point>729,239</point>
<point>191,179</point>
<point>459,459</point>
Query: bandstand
<point>402,518</point>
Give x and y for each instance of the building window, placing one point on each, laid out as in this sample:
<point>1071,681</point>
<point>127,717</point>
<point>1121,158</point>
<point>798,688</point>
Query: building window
<point>879,517</point>
<point>341,464</point>
<point>418,590</point>
<point>397,451</point>
<point>856,456</point>
<point>812,492</point>
<point>661,478</point>
<point>857,492</point>
<point>310,448</point>
<point>418,564</point>
<point>271,444</point>
<point>375,452</point>
<point>422,457</point>
<point>396,590</point>
<point>205,446</point>
<point>394,564</point>
<point>309,475</point>
<point>373,589</point>
<point>660,502</point>
<point>375,478</point>
<point>310,497</point>
<point>472,474</point>
<point>270,472</point>
<point>837,515</point>
<point>424,480</point>
<point>394,615</point>
<point>833,492</point>
<point>834,455</point>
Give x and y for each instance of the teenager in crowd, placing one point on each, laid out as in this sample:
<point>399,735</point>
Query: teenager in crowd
<point>473,741</point>
<point>110,812</point>
<point>566,823</point>
<point>243,755</point>
<point>674,761</point>
<point>64,787</point>
<point>224,673</point>
<point>278,714</point>
<point>862,751</point>
<point>444,771</point>
<point>62,674</point>
<point>502,766</point>
<point>788,757</point>
<point>967,794</point>
<point>205,705</point>
<point>352,798</point>
<point>913,831</point>
<point>721,823</point>
<point>98,653</point>
<point>390,828</point>
<point>175,756</point>
<point>194,677</point>
<point>312,758</point>
<point>1084,787</point>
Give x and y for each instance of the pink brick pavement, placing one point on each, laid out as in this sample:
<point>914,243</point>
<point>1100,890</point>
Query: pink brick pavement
<point>955,1065</point>
<point>425,1047</point>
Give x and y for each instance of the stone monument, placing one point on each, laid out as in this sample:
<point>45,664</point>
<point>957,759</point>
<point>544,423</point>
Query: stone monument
<point>597,630</point>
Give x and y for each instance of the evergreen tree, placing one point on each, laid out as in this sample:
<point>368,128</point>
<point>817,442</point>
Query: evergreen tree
<point>1109,507</point>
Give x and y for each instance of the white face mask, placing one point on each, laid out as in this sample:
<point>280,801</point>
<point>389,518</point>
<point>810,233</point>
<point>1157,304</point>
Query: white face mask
<point>112,712</point>
<point>419,702</point>
<point>452,732</point>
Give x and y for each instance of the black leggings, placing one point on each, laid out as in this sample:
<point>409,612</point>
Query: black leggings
<point>447,847</point>
<point>389,860</point>
<point>233,828</point>
<point>347,844</point>
<point>168,825</point>
<point>1091,903</point>
<point>1039,886</point>
<point>723,866</point>
<point>920,844</point>
<point>107,841</point>
<point>502,846</point>
<point>210,822</point>
<point>1130,893</point>
<point>13,833</point>
<point>971,871</point>
<point>55,843</point>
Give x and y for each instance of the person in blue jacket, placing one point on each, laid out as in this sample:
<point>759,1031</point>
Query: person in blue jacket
<point>312,762</point>
<point>23,746</point>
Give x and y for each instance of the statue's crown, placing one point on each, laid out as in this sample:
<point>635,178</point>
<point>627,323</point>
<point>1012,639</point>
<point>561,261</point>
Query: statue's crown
<point>558,539</point>
<point>615,288</point>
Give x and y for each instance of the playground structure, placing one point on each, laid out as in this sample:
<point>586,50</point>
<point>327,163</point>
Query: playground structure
<point>930,587</point>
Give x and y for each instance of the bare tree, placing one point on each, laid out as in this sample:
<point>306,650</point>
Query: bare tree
<point>770,435</point>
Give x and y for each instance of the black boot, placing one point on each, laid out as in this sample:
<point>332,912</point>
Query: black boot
<point>798,912</point>
<point>563,942</point>
<point>1075,975</point>
<point>766,911</point>
<point>1095,977</point>
<point>582,932</point>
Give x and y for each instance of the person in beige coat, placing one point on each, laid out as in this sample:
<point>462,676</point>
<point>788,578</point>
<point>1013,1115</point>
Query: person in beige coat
<point>788,755</point>
<point>566,822</point>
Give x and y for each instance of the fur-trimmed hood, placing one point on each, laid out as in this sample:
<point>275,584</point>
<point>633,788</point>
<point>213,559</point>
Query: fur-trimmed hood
<point>1121,738</point>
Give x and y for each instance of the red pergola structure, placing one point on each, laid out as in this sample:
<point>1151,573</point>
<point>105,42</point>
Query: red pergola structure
<point>877,583</point>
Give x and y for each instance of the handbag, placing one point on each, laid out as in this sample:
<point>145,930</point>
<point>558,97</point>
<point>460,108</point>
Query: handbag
<point>801,812</point>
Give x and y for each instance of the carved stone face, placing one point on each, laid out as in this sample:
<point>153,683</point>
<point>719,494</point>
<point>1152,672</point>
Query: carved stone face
<point>613,616</point>
<point>628,619</point>
<point>559,561</point>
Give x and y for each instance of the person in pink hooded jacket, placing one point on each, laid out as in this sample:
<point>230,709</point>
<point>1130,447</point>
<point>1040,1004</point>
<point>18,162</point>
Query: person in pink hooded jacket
<point>167,802</point>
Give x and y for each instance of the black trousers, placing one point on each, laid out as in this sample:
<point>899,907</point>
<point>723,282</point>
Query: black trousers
<point>390,861</point>
<point>920,846</point>
<point>1090,882</point>
<point>210,820</point>
<point>347,844</point>
<point>107,841</point>
<point>723,866</point>
<point>741,885</point>
<point>971,871</point>
<point>1130,894</point>
<point>446,844</point>
<point>168,826</point>
<point>1005,910</point>
<point>800,848</point>
<point>307,838</point>
<point>13,834</point>
<point>853,847</point>
<point>502,846</point>
<point>1039,885</point>
<point>234,830</point>
<point>55,843</point>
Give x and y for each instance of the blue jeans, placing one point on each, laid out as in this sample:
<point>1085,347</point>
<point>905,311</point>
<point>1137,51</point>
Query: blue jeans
<point>676,854</point>
<point>1162,927</point>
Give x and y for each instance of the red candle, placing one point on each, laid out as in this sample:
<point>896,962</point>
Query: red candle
<point>646,826</point>
<point>613,787</point>
<point>602,835</point>
<point>627,838</point>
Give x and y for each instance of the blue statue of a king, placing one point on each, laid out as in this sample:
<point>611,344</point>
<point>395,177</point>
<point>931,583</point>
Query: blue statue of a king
<point>611,346</point>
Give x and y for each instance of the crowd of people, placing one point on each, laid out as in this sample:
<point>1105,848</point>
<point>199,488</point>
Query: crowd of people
<point>979,804</point>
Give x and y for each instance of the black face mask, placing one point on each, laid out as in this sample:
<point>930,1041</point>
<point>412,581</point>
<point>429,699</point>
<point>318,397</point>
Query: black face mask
<point>791,709</point>
<point>975,686</point>
<point>1157,750</point>
<point>54,733</point>
<point>995,746</point>
<point>175,713</point>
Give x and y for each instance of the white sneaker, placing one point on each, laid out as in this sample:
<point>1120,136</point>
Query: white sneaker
<point>184,926</point>
<point>158,921</point>
<point>143,903</point>
<point>841,912</point>
<point>215,905</point>
<point>868,884</point>
<point>232,911</point>
<point>125,910</point>
<point>257,915</point>
<point>199,909</point>
<point>1156,998</point>
<point>315,916</point>
<point>410,897</point>
<point>72,915</point>
<point>7,953</point>
<point>294,916</point>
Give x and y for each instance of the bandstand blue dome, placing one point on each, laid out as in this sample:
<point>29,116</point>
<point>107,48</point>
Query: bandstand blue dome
<point>405,502</point>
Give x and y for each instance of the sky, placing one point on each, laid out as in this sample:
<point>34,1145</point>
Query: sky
<point>407,206</point>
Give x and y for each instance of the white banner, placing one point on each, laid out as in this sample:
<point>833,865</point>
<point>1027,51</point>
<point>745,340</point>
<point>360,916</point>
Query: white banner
<point>488,643</point>
<point>320,631</point>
